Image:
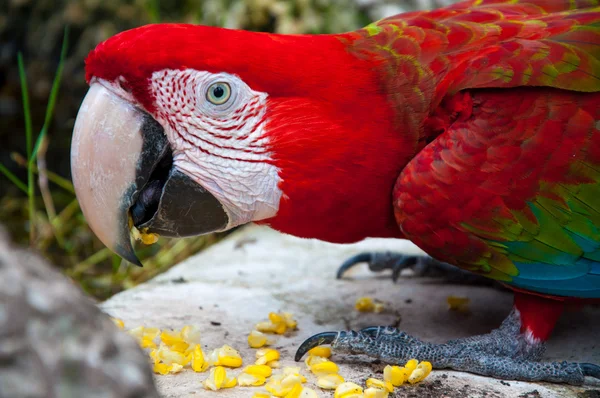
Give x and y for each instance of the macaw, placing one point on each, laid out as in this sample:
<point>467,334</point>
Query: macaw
<point>471,130</point>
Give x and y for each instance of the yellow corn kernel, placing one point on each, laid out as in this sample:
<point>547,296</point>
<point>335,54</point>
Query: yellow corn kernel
<point>246,379</point>
<point>226,356</point>
<point>261,395</point>
<point>199,364</point>
<point>147,342</point>
<point>411,365</point>
<point>460,304</point>
<point>348,390</point>
<point>290,322</point>
<point>190,334</point>
<point>174,341</point>
<point>374,392</point>
<point>257,339</point>
<point>308,393</point>
<point>396,375</point>
<point>323,368</point>
<point>175,368</point>
<point>421,372</point>
<point>161,368</point>
<point>330,381</point>
<point>258,370</point>
<point>168,356</point>
<point>265,355</point>
<point>265,327</point>
<point>279,322</point>
<point>295,391</point>
<point>119,322</point>
<point>376,383</point>
<point>218,379</point>
<point>313,360</point>
<point>281,384</point>
<point>145,336</point>
<point>320,351</point>
<point>148,238</point>
<point>273,364</point>
<point>364,304</point>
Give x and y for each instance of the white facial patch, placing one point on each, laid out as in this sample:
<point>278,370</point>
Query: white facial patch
<point>222,147</point>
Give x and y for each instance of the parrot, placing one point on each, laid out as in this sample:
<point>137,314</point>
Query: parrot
<point>55,342</point>
<point>472,130</point>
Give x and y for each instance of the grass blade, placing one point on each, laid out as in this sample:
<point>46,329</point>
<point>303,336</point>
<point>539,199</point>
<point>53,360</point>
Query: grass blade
<point>15,180</point>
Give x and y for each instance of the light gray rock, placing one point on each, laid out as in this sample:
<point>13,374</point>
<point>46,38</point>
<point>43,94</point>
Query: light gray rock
<point>236,283</point>
<point>56,343</point>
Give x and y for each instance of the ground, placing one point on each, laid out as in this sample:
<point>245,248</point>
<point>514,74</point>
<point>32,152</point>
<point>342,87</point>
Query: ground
<point>226,289</point>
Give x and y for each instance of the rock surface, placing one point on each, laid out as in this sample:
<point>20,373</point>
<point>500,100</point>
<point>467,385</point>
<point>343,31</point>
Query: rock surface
<point>231,286</point>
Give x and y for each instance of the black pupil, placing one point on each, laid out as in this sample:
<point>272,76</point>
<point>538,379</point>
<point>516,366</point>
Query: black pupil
<point>218,92</point>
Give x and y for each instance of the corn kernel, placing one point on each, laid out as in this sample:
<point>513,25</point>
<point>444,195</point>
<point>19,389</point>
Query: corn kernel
<point>396,375</point>
<point>145,336</point>
<point>364,304</point>
<point>421,372</point>
<point>290,322</point>
<point>279,322</point>
<point>308,393</point>
<point>147,342</point>
<point>119,322</point>
<point>168,356</point>
<point>246,379</point>
<point>295,391</point>
<point>176,368</point>
<point>258,370</point>
<point>226,356</point>
<point>320,351</point>
<point>323,368</point>
<point>199,364</point>
<point>174,341</point>
<point>411,365</point>
<point>265,327</point>
<point>265,355</point>
<point>261,395</point>
<point>190,334</point>
<point>313,360</point>
<point>274,364</point>
<point>257,339</point>
<point>161,368</point>
<point>330,381</point>
<point>218,379</point>
<point>281,384</point>
<point>374,392</point>
<point>376,383</point>
<point>348,390</point>
<point>460,304</point>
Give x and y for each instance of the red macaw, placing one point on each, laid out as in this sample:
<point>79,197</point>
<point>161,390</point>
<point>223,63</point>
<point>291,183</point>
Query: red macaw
<point>472,130</point>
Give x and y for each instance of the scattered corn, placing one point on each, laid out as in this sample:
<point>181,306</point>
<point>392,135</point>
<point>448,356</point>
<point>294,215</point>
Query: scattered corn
<point>261,395</point>
<point>226,356</point>
<point>374,392</point>
<point>278,323</point>
<point>395,375</point>
<point>257,339</point>
<point>169,357</point>
<point>313,360</point>
<point>218,379</point>
<point>265,355</point>
<point>145,336</point>
<point>330,381</point>
<point>320,351</point>
<point>199,364</point>
<point>282,384</point>
<point>259,370</point>
<point>246,379</point>
<point>190,334</point>
<point>174,341</point>
<point>422,371</point>
<point>324,368</point>
<point>376,383</point>
<point>460,304</point>
<point>348,390</point>
<point>367,304</point>
<point>119,322</point>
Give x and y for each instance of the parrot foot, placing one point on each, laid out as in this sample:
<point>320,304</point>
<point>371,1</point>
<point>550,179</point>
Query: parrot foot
<point>505,353</point>
<point>421,265</point>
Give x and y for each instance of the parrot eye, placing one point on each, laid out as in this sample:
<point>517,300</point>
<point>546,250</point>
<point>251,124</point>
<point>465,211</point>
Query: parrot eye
<point>218,93</point>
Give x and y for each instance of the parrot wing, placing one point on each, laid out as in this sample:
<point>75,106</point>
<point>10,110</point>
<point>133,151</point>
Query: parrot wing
<point>512,190</point>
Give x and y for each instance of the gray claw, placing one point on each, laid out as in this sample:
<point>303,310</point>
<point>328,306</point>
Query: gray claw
<point>589,369</point>
<point>314,341</point>
<point>352,261</point>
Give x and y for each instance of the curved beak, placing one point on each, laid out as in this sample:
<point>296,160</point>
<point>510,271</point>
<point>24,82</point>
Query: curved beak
<point>124,176</point>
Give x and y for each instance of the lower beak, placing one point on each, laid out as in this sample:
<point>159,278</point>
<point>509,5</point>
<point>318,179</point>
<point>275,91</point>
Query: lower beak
<point>124,176</point>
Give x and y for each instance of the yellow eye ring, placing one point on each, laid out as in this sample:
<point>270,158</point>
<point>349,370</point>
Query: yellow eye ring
<point>218,93</point>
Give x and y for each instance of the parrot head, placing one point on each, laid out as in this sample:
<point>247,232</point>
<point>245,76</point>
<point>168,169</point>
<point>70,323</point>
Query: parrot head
<point>187,130</point>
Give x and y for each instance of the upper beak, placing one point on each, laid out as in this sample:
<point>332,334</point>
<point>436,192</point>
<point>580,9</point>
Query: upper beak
<point>124,176</point>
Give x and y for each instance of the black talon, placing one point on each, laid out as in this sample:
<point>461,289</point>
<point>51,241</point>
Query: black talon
<point>589,369</point>
<point>314,341</point>
<point>352,261</point>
